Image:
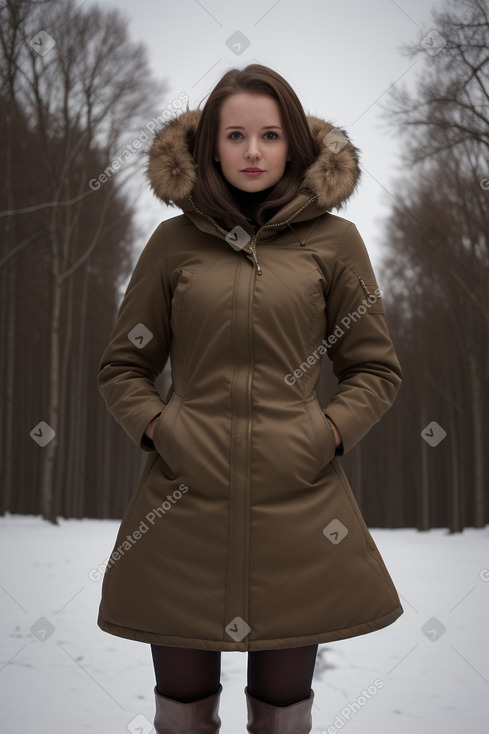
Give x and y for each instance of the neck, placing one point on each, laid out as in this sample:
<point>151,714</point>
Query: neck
<point>249,201</point>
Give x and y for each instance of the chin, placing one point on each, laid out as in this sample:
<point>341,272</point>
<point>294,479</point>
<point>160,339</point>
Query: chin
<point>253,184</point>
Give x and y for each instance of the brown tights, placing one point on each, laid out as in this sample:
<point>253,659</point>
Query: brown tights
<point>279,677</point>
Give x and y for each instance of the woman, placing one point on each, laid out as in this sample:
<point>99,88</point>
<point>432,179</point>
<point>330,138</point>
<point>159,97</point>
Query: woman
<point>243,533</point>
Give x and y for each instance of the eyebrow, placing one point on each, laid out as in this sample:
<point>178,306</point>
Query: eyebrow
<point>265,127</point>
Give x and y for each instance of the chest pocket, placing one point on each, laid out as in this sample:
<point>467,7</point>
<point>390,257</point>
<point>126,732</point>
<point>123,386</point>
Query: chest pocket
<point>187,277</point>
<point>315,302</point>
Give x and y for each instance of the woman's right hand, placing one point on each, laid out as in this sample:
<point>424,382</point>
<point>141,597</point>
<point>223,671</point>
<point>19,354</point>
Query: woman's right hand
<point>151,427</point>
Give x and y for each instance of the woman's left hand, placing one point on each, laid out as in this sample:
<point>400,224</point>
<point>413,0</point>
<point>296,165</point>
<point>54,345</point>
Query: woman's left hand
<point>336,433</point>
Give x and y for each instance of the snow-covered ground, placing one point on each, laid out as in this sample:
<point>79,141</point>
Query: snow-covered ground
<point>428,673</point>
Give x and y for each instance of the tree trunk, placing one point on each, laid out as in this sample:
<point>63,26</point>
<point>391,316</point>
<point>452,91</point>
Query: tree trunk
<point>48,509</point>
<point>478,443</point>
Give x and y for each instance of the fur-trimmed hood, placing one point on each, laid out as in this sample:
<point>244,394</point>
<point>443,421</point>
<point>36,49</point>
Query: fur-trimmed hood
<point>331,179</point>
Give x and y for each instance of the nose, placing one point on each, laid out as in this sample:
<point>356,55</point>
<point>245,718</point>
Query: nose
<point>253,150</point>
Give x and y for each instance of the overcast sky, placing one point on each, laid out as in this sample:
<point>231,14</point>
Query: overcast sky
<point>340,56</point>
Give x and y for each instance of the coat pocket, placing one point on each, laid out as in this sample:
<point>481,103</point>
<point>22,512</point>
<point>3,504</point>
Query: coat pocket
<point>323,433</point>
<point>163,435</point>
<point>373,295</point>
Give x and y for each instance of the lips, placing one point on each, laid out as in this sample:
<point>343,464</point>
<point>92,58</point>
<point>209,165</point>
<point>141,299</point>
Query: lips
<point>253,170</point>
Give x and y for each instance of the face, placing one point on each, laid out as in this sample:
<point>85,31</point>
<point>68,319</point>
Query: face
<point>251,136</point>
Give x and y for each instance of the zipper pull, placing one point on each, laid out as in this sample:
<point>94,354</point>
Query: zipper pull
<point>252,249</point>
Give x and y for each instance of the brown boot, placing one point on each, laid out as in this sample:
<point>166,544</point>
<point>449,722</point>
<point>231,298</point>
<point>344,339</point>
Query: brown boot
<point>197,717</point>
<point>263,718</point>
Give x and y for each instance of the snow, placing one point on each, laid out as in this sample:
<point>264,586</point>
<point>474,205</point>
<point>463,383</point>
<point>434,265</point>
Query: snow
<point>60,673</point>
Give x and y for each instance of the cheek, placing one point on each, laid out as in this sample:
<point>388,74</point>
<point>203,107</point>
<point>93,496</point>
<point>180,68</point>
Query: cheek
<point>227,153</point>
<point>281,155</point>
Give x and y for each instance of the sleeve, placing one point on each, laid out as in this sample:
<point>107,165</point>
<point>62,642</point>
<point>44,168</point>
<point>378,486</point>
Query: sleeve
<point>358,344</point>
<point>139,344</point>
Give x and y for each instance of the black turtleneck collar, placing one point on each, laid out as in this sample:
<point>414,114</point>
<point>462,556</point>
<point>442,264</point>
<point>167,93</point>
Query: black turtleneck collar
<point>249,201</point>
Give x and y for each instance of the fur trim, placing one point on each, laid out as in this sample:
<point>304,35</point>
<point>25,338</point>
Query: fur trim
<point>335,173</point>
<point>171,173</point>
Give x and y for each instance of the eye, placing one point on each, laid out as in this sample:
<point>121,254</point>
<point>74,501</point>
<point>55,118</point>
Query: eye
<point>235,132</point>
<point>270,132</point>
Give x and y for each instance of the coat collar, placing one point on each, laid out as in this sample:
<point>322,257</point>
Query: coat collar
<point>329,181</point>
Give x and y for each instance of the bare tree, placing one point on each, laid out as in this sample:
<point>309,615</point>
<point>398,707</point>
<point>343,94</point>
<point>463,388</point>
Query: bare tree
<point>82,91</point>
<point>438,270</point>
<point>450,106</point>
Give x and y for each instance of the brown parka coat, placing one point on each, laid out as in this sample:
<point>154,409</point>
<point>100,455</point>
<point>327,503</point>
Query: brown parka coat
<point>243,532</point>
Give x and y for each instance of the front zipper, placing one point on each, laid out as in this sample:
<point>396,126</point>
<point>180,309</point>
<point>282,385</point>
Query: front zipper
<point>250,423</point>
<point>252,356</point>
<point>252,246</point>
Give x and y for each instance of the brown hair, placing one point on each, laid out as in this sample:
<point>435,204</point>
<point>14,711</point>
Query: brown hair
<point>215,196</point>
